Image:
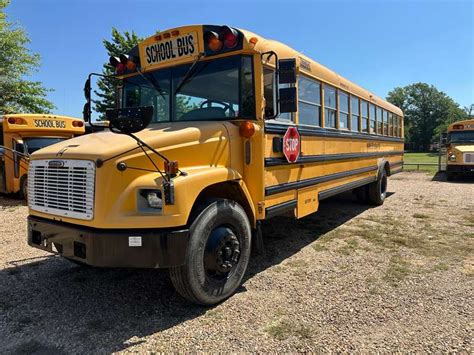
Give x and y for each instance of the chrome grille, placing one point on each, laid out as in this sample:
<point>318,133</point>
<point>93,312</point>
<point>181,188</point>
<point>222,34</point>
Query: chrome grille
<point>469,158</point>
<point>62,187</point>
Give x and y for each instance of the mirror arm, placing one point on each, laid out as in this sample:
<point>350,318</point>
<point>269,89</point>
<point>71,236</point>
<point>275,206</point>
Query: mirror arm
<point>270,54</point>
<point>89,113</point>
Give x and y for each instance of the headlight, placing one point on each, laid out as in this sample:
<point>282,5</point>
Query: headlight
<point>452,157</point>
<point>149,200</point>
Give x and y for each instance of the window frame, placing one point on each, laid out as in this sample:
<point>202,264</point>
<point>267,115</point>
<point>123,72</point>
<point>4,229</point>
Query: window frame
<point>335,109</point>
<point>314,104</point>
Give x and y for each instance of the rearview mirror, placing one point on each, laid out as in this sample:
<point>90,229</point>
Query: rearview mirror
<point>287,100</point>
<point>87,89</point>
<point>86,112</point>
<point>130,119</point>
<point>287,71</point>
<point>444,138</point>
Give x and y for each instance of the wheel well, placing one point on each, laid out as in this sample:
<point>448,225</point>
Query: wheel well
<point>387,168</point>
<point>229,190</point>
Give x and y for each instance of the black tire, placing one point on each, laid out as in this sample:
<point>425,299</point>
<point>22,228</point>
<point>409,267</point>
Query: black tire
<point>23,193</point>
<point>362,194</point>
<point>378,189</point>
<point>208,277</point>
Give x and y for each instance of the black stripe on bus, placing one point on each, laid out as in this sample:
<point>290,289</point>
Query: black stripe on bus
<point>346,187</point>
<point>280,209</point>
<point>271,190</point>
<point>275,128</point>
<point>276,161</point>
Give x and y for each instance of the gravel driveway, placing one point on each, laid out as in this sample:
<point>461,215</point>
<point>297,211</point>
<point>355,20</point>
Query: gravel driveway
<point>349,278</point>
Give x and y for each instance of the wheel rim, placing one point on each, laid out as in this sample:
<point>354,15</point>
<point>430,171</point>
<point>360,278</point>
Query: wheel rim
<point>222,253</point>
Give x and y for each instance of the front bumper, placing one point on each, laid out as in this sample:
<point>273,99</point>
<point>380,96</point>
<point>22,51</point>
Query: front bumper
<point>460,169</point>
<point>110,247</point>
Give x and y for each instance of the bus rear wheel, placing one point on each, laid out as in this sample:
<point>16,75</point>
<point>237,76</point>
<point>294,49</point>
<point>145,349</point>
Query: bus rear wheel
<point>378,189</point>
<point>217,255</point>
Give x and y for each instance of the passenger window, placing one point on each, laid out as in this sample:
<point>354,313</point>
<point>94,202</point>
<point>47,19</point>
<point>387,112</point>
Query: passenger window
<point>379,120</point>
<point>354,113</point>
<point>385,123</point>
<point>390,124</point>
<point>372,118</point>
<point>329,106</point>
<point>343,110</point>
<point>365,116</point>
<point>309,102</point>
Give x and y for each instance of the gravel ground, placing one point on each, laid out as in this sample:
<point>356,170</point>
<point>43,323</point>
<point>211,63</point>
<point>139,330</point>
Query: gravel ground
<point>349,278</point>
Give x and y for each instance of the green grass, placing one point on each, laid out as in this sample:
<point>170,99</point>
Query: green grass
<point>413,158</point>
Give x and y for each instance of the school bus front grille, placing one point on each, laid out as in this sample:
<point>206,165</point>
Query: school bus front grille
<point>62,187</point>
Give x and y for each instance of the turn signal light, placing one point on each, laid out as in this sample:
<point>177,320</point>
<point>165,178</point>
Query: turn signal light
<point>16,120</point>
<point>247,129</point>
<point>77,124</point>
<point>171,167</point>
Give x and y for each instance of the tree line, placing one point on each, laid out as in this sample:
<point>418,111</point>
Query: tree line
<point>428,111</point>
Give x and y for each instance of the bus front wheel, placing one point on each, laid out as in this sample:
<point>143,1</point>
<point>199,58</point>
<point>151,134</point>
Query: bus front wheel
<point>378,189</point>
<point>217,255</point>
<point>23,187</point>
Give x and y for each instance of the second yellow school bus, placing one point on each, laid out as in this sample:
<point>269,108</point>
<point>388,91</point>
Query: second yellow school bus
<point>460,149</point>
<point>217,129</point>
<point>23,134</point>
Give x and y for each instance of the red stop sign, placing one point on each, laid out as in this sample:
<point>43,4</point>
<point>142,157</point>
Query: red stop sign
<point>291,144</point>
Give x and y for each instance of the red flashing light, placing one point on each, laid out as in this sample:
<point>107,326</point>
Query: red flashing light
<point>166,35</point>
<point>120,68</point>
<point>158,37</point>
<point>77,124</point>
<point>17,120</point>
<point>458,126</point>
<point>175,33</point>
<point>11,120</point>
<point>229,36</point>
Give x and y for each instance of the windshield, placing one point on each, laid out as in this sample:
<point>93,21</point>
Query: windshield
<point>219,89</point>
<point>33,144</point>
<point>461,137</point>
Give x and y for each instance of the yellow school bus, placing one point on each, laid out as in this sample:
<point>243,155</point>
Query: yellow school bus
<point>460,149</point>
<point>23,134</point>
<point>217,129</point>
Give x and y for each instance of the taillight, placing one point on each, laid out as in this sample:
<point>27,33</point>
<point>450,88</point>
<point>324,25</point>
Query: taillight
<point>229,36</point>
<point>213,41</point>
<point>77,123</point>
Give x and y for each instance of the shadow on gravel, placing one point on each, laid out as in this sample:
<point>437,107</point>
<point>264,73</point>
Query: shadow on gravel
<point>460,179</point>
<point>10,201</point>
<point>50,305</point>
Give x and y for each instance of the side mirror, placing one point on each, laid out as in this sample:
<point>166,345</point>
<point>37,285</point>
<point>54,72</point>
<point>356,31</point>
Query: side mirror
<point>87,89</point>
<point>129,120</point>
<point>444,139</point>
<point>288,100</point>
<point>86,112</point>
<point>287,71</point>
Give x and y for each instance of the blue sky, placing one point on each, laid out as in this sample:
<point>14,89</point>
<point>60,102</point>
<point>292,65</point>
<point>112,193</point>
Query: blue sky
<point>377,44</point>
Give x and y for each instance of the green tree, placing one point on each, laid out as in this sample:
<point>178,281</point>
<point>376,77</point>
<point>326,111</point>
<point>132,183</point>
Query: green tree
<point>119,44</point>
<point>16,61</point>
<point>427,112</point>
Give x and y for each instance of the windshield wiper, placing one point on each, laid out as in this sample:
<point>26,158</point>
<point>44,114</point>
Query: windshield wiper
<point>189,73</point>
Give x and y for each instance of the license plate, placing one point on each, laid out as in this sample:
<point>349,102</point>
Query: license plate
<point>171,49</point>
